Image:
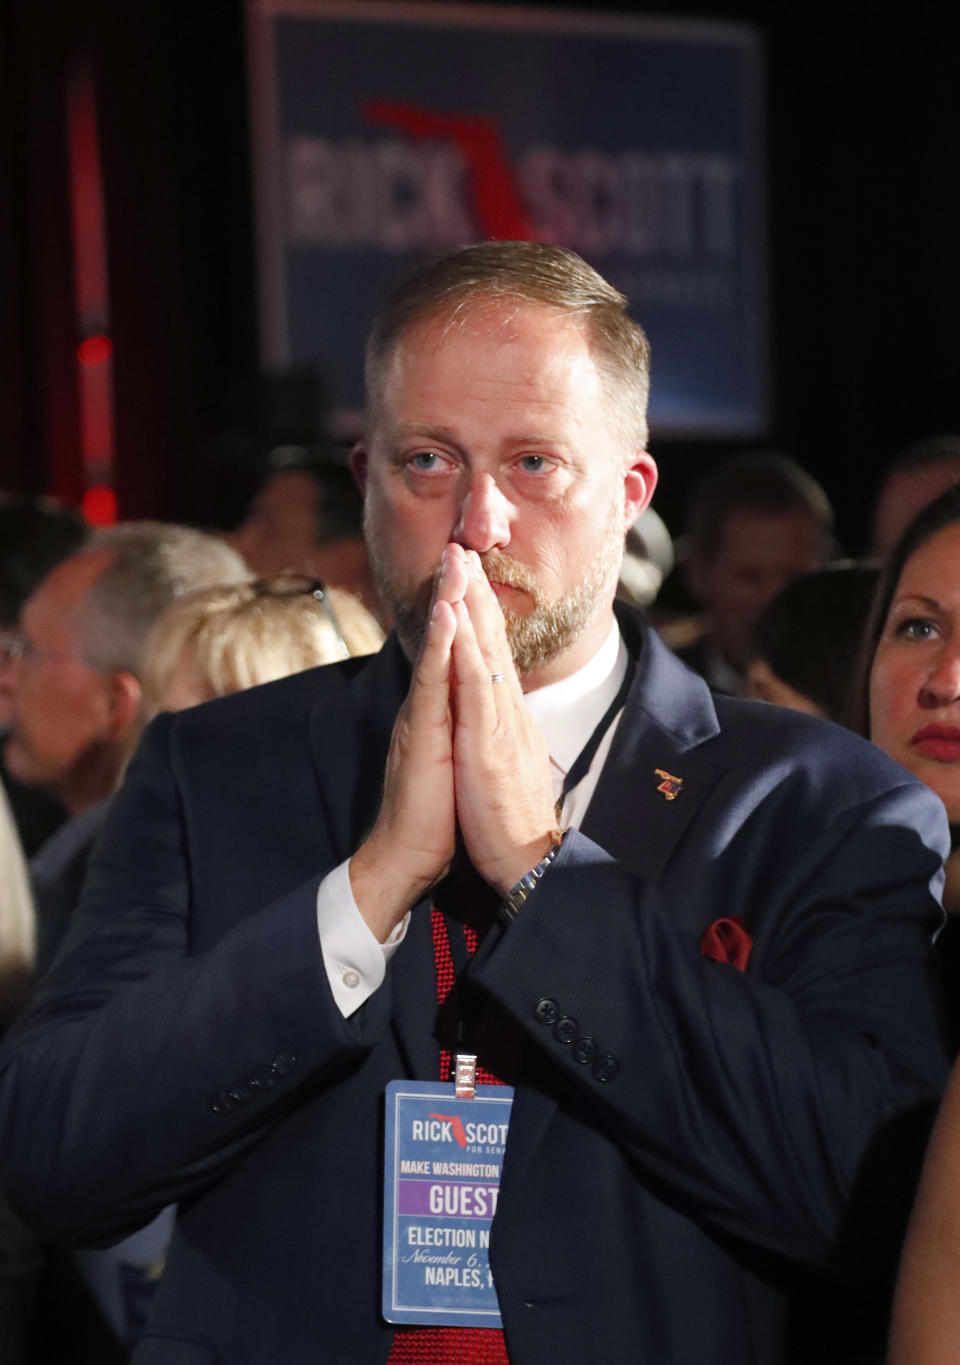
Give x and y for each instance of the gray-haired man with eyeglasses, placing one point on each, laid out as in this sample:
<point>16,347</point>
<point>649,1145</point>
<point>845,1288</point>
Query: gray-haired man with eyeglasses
<point>69,676</point>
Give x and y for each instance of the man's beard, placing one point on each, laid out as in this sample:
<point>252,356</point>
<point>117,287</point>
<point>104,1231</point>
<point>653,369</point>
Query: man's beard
<point>536,637</point>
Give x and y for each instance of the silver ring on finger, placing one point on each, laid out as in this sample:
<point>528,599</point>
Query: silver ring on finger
<point>498,677</point>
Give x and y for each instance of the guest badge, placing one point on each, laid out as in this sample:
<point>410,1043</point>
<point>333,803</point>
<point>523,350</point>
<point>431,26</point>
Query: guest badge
<point>443,1158</point>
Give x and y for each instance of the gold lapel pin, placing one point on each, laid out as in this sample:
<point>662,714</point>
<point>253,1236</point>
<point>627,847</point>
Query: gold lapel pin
<point>670,786</point>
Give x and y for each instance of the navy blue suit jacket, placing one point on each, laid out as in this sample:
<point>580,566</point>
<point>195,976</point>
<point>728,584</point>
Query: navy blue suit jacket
<point>186,1046</point>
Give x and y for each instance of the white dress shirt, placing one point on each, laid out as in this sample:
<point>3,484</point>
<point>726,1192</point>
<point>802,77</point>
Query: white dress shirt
<point>567,713</point>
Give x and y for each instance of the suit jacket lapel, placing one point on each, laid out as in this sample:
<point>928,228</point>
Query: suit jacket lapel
<point>668,717</point>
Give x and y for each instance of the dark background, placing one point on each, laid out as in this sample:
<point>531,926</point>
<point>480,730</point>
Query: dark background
<point>864,219</point>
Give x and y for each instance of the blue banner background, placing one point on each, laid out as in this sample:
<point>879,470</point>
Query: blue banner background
<point>661,92</point>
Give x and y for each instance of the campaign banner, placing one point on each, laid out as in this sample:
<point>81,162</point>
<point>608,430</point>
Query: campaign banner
<point>387,132</point>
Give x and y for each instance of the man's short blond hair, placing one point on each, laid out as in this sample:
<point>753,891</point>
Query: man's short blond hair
<point>522,273</point>
<point>250,633</point>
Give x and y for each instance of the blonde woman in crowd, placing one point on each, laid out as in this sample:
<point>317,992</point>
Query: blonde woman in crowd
<point>17,922</point>
<point>19,1255</point>
<point>226,639</point>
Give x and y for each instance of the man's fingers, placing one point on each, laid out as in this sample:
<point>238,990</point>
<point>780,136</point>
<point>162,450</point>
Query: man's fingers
<point>404,853</point>
<point>503,786</point>
<point>487,619</point>
<point>430,693</point>
<point>477,699</point>
<point>452,578</point>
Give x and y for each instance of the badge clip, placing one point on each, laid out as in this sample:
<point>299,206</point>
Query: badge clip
<point>465,1076</point>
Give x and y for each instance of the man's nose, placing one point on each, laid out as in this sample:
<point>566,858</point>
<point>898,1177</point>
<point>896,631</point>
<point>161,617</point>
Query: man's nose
<point>942,684</point>
<point>485,517</point>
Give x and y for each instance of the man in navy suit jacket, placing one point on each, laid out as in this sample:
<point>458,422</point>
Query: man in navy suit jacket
<point>715,996</point>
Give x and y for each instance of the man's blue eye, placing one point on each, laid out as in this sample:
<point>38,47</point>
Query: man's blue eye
<point>425,459</point>
<point>532,464</point>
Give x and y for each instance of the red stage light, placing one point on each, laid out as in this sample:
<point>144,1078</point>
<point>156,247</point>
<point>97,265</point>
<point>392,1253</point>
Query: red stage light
<point>95,350</point>
<point>99,505</point>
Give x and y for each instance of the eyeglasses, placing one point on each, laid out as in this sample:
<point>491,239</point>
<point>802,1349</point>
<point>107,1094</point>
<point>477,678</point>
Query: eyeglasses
<point>14,645</point>
<point>301,585</point>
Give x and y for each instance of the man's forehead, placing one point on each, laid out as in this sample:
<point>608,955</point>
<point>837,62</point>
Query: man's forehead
<point>779,531</point>
<point>547,353</point>
<point>503,321</point>
<point>65,587</point>
<point>910,489</point>
<point>528,361</point>
<point>81,571</point>
<point>288,487</point>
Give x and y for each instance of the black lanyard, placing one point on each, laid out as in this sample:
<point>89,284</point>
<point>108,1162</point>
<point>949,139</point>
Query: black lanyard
<point>581,764</point>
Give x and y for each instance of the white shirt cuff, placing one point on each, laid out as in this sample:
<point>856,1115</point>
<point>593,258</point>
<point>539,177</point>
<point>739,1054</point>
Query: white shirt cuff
<point>354,959</point>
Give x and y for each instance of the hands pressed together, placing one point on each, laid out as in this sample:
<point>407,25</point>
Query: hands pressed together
<point>464,753</point>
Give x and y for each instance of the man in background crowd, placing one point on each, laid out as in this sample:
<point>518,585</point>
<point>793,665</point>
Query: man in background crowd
<point>756,521</point>
<point>71,689</point>
<point>35,534</point>
<point>307,517</point>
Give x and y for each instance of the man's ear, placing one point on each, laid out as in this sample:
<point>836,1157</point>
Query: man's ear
<point>358,465</point>
<point>123,697</point>
<point>639,482</point>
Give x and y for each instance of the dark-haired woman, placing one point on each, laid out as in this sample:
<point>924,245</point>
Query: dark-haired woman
<point>910,698</point>
<point>910,703</point>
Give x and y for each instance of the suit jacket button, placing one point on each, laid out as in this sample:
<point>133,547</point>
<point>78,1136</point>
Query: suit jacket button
<point>605,1068</point>
<point>240,1093</point>
<point>263,1078</point>
<point>566,1029</point>
<point>282,1064</point>
<point>221,1103</point>
<point>546,1011</point>
<point>585,1049</point>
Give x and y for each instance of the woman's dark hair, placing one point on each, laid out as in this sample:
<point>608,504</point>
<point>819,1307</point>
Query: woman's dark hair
<point>810,633</point>
<point>944,511</point>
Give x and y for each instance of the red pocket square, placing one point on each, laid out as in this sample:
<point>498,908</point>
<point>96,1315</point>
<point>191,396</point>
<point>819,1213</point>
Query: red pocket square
<point>727,940</point>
